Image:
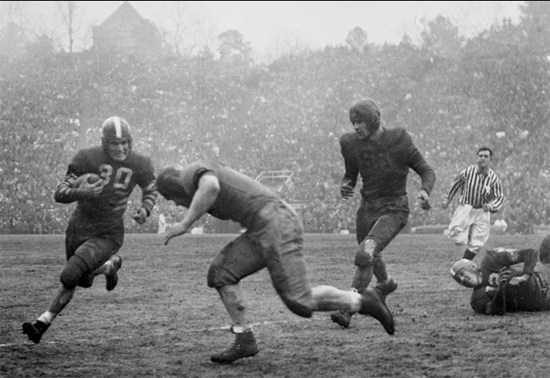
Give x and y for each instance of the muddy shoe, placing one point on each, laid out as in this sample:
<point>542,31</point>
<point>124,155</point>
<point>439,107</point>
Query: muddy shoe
<point>244,346</point>
<point>35,330</point>
<point>343,319</point>
<point>386,288</point>
<point>112,276</point>
<point>373,305</point>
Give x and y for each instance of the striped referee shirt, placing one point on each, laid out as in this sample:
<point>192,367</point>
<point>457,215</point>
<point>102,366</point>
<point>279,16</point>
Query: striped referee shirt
<point>477,189</point>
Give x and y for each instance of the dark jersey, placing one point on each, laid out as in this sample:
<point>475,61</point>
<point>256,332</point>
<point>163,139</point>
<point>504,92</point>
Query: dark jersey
<point>103,214</point>
<point>240,198</point>
<point>384,163</point>
<point>528,296</point>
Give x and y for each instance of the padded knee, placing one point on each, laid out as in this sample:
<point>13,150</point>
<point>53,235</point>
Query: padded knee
<point>75,273</point>
<point>365,253</point>
<point>218,276</point>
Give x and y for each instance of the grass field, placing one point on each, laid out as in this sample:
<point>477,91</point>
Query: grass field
<point>163,321</point>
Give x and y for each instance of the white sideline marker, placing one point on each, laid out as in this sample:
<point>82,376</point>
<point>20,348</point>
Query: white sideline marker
<point>224,328</point>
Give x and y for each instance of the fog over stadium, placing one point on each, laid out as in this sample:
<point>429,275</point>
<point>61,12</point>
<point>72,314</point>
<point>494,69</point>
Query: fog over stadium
<point>271,28</point>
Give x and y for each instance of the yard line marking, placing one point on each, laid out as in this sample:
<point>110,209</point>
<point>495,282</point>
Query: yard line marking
<point>223,328</point>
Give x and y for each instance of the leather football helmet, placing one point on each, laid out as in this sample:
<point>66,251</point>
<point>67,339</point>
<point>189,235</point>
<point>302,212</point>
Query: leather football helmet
<point>115,128</point>
<point>466,273</point>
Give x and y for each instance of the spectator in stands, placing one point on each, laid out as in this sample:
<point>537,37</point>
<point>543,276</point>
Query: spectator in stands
<point>382,157</point>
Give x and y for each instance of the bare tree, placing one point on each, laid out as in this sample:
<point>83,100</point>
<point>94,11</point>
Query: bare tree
<point>188,30</point>
<point>68,11</point>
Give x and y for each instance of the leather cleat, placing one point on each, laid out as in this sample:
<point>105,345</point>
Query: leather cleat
<point>35,330</point>
<point>386,288</point>
<point>343,319</point>
<point>244,346</point>
<point>112,276</point>
<point>373,305</point>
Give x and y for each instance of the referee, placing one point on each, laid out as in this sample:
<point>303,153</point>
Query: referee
<point>480,195</point>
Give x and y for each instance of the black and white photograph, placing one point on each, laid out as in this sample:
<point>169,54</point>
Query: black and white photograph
<point>275,189</point>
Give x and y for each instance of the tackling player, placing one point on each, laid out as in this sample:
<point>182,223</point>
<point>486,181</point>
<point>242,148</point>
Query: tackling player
<point>96,229</point>
<point>273,240</point>
<point>499,287</point>
<point>383,158</point>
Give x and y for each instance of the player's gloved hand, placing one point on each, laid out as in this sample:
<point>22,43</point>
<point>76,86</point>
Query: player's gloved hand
<point>346,190</point>
<point>486,207</point>
<point>445,204</point>
<point>174,231</point>
<point>88,190</point>
<point>519,279</point>
<point>424,200</point>
<point>140,216</point>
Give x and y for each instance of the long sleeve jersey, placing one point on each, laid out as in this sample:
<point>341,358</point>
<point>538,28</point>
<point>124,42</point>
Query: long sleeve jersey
<point>384,164</point>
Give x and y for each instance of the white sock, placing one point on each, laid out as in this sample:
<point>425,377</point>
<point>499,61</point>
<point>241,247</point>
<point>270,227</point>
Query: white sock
<point>355,301</point>
<point>240,329</point>
<point>47,317</point>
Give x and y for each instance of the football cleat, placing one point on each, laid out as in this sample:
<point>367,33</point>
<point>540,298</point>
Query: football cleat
<point>373,305</point>
<point>243,346</point>
<point>386,288</point>
<point>112,276</point>
<point>343,319</point>
<point>35,330</point>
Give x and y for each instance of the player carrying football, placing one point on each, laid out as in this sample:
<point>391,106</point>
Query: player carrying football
<point>383,158</point>
<point>501,287</point>
<point>96,229</point>
<point>273,240</point>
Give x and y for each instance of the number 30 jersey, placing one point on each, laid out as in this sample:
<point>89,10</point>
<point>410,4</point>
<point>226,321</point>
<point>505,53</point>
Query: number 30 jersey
<point>119,179</point>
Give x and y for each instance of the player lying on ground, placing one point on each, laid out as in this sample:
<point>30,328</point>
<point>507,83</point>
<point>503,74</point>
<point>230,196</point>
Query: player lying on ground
<point>273,240</point>
<point>500,286</point>
<point>96,228</point>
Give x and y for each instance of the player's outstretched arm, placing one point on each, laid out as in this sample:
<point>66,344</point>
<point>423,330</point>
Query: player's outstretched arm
<point>203,199</point>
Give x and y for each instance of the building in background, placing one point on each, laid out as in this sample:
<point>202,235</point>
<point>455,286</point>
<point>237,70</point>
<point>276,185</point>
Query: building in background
<point>125,32</point>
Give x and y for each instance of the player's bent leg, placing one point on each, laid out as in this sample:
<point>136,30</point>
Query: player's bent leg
<point>75,273</point>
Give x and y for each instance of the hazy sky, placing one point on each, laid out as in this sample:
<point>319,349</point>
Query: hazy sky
<point>267,25</point>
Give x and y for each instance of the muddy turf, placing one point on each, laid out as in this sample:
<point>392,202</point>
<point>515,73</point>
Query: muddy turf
<point>163,321</point>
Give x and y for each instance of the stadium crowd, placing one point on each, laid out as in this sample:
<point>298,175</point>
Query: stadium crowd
<point>287,115</point>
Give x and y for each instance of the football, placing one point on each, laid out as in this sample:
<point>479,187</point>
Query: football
<point>90,177</point>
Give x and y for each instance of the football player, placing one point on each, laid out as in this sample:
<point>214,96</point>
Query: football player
<point>95,231</point>
<point>500,286</point>
<point>383,158</point>
<point>273,240</point>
